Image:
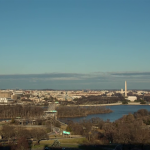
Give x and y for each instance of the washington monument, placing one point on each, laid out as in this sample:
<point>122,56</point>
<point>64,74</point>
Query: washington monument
<point>125,89</point>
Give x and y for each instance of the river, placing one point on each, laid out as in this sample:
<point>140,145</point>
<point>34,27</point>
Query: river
<point>118,112</point>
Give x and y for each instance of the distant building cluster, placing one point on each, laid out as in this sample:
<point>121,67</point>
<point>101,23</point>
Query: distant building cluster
<point>39,96</point>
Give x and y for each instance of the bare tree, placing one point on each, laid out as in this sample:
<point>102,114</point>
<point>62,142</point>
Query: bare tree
<point>22,144</point>
<point>39,134</point>
<point>7,132</point>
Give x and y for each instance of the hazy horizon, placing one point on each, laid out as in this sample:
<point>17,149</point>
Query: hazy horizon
<point>74,44</point>
<point>97,80</point>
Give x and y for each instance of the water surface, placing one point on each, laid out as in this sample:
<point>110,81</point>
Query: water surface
<point>118,112</point>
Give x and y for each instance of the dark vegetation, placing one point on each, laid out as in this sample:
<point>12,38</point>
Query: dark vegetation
<point>142,102</point>
<point>21,138</point>
<point>146,98</point>
<point>130,129</point>
<point>50,99</point>
<point>9,111</point>
<point>77,111</point>
<point>142,99</point>
<point>98,100</point>
<point>125,102</point>
<point>39,121</point>
<point>29,112</point>
<point>103,99</point>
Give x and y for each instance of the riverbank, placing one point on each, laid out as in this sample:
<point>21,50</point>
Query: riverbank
<point>78,111</point>
<point>114,104</point>
<point>118,112</point>
<point>85,115</point>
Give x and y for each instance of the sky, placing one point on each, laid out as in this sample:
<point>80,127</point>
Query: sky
<point>74,44</point>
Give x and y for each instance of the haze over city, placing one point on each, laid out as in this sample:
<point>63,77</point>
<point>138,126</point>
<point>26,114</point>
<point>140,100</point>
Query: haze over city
<point>74,44</point>
<point>74,74</point>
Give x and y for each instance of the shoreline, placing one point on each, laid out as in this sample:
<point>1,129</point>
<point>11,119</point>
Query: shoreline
<point>111,104</point>
<point>78,116</point>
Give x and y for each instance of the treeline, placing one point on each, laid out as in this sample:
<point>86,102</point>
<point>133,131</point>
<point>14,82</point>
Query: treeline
<point>130,129</point>
<point>98,100</point>
<point>12,111</point>
<point>12,135</point>
<point>103,99</point>
<point>77,111</point>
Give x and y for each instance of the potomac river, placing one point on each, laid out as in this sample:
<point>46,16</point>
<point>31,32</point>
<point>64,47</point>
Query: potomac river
<point>118,112</point>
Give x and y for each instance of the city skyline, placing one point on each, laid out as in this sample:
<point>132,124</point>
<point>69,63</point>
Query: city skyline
<point>74,44</point>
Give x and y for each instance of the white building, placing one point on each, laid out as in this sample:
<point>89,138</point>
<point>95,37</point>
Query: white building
<point>6,100</point>
<point>131,98</point>
<point>76,96</point>
<point>121,91</point>
<point>110,94</point>
<point>18,92</point>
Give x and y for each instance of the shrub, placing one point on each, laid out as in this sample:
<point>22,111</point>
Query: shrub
<point>125,102</point>
<point>142,102</point>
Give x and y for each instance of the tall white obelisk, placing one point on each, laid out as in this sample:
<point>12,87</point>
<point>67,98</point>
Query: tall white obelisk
<point>125,89</point>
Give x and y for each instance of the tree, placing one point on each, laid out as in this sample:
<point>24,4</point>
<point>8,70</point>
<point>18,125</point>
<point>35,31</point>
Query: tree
<point>20,131</point>
<point>143,112</point>
<point>142,102</point>
<point>7,132</point>
<point>109,132</point>
<point>22,144</point>
<point>39,134</point>
<point>125,102</point>
<point>46,104</point>
<point>12,120</point>
<point>57,124</point>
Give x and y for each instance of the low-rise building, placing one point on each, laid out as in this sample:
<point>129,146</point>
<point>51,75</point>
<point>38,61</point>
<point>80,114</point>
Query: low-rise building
<point>131,98</point>
<point>5,94</point>
<point>76,96</point>
<point>6,100</point>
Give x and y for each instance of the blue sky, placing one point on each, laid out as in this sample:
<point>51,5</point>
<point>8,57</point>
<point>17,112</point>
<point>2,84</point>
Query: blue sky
<point>74,44</point>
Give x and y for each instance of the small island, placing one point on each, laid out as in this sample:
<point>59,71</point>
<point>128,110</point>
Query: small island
<point>78,111</point>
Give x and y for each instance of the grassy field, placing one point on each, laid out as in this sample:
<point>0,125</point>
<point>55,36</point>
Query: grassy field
<point>62,141</point>
<point>74,142</point>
